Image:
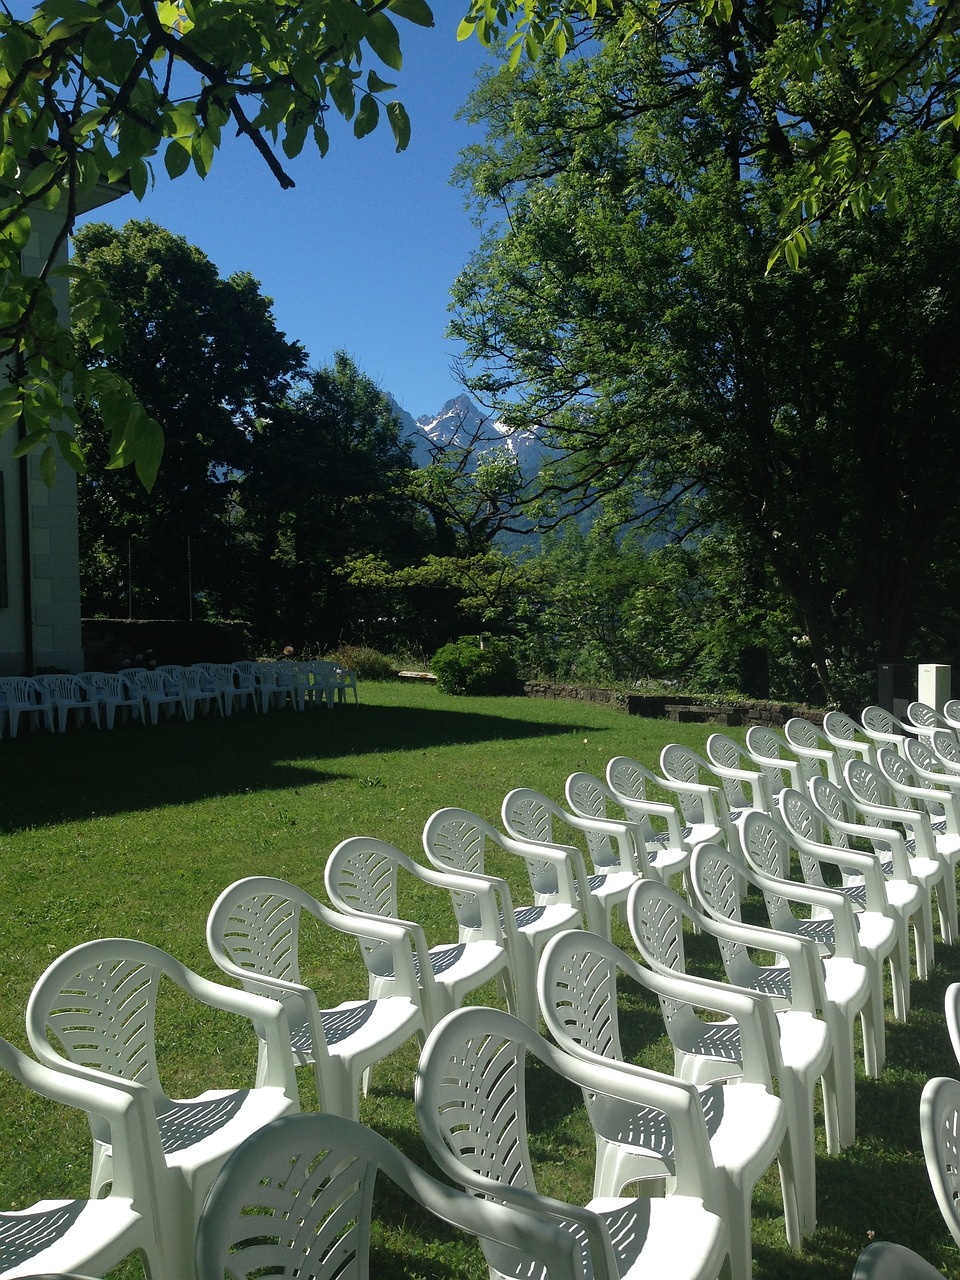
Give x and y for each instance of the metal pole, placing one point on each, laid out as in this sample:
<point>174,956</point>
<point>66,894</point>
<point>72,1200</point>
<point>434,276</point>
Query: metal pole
<point>129,579</point>
<point>190,578</point>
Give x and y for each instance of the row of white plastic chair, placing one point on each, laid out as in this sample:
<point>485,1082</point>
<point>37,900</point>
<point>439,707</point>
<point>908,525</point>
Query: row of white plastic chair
<point>813,1041</point>
<point>96,697</point>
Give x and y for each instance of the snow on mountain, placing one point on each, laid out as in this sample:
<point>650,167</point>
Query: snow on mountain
<point>461,425</point>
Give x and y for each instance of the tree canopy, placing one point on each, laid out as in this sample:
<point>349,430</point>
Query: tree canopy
<point>94,91</point>
<point>204,357</point>
<point>624,305</point>
<point>101,93</point>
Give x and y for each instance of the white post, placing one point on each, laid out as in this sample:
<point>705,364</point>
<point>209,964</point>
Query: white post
<point>933,684</point>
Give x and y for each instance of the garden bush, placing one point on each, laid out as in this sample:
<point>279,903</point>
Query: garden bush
<point>463,667</point>
<point>364,662</point>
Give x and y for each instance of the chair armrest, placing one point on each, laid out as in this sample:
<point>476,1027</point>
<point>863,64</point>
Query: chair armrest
<point>391,933</point>
<point>753,1014</point>
<point>839,907</point>
<point>707,794</point>
<point>883,835</point>
<point>460,882</point>
<point>621,832</point>
<point>275,1065</point>
<point>801,955</point>
<point>864,864</point>
<point>566,860</point>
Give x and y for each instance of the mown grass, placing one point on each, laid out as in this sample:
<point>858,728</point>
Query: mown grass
<point>135,833</point>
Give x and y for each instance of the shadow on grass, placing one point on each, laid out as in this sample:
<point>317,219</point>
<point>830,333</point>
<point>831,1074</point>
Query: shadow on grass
<point>51,778</point>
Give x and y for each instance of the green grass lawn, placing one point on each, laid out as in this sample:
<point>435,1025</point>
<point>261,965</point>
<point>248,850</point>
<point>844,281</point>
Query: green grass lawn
<point>135,833</point>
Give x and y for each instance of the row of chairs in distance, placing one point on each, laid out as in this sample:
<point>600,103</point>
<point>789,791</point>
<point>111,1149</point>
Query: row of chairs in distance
<point>138,692</point>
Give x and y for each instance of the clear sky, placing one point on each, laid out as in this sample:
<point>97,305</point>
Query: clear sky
<point>361,254</point>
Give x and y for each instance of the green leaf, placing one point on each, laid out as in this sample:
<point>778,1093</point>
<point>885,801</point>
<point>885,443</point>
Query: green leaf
<point>384,39</point>
<point>417,11</point>
<point>376,85</point>
<point>71,452</point>
<point>466,29</point>
<point>176,159</point>
<point>149,452</point>
<point>367,117</point>
<point>31,441</point>
<point>48,466</point>
<point>399,124</point>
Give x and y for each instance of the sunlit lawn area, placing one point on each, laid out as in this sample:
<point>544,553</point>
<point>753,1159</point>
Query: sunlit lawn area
<point>135,833</point>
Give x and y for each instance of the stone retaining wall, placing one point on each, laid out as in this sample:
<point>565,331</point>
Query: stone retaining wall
<point>679,708</point>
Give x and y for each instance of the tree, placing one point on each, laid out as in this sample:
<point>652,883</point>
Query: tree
<point>95,93</point>
<point>327,478</point>
<point>626,308</point>
<point>204,357</point>
<point>831,85</point>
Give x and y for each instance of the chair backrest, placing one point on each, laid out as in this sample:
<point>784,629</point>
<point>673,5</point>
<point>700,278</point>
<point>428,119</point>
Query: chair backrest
<point>361,874</point>
<point>883,1260</point>
<point>940,1132</point>
<point>97,1003</point>
<point>726,754</point>
<point>846,737</point>
<point>951,1007</point>
<point>681,764</point>
<point>925,718</point>
<point>882,726</point>
<point>458,840</point>
<point>766,844</point>
<point>302,1187</point>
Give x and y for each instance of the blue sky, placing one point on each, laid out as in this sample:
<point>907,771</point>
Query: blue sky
<point>361,254</point>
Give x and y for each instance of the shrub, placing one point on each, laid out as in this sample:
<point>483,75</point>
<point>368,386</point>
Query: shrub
<point>463,667</point>
<point>365,663</point>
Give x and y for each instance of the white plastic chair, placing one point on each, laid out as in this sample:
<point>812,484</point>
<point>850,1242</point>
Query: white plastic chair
<point>830,921</point>
<point>457,840</point>
<point>470,1097</point>
<point>951,713</point>
<point>814,751</point>
<point>848,738</point>
<point>926,720</point>
<point>66,694</point>
<point>529,815</point>
<point>156,692</point>
<point>113,693</point>
<point>86,1235</point>
<point>253,933</point>
<point>23,697</point>
<point>659,853</point>
<point>744,785</point>
<point>800,1055</point>
<point>198,689</point>
<point>882,1260</point>
<point>840,990</point>
<point>303,1188</point>
<point>91,1016</point>
<point>940,1133</point>
<point>874,798</point>
<point>772,752</point>
<point>884,729</point>
<point>882,905</point>
<point>702,803</point>
<point>246,680</point>
<point>628,779</point>
<point>361,878</point>
<point>912,790</point>
<point>891,848</point>
<point>745,1120</point>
